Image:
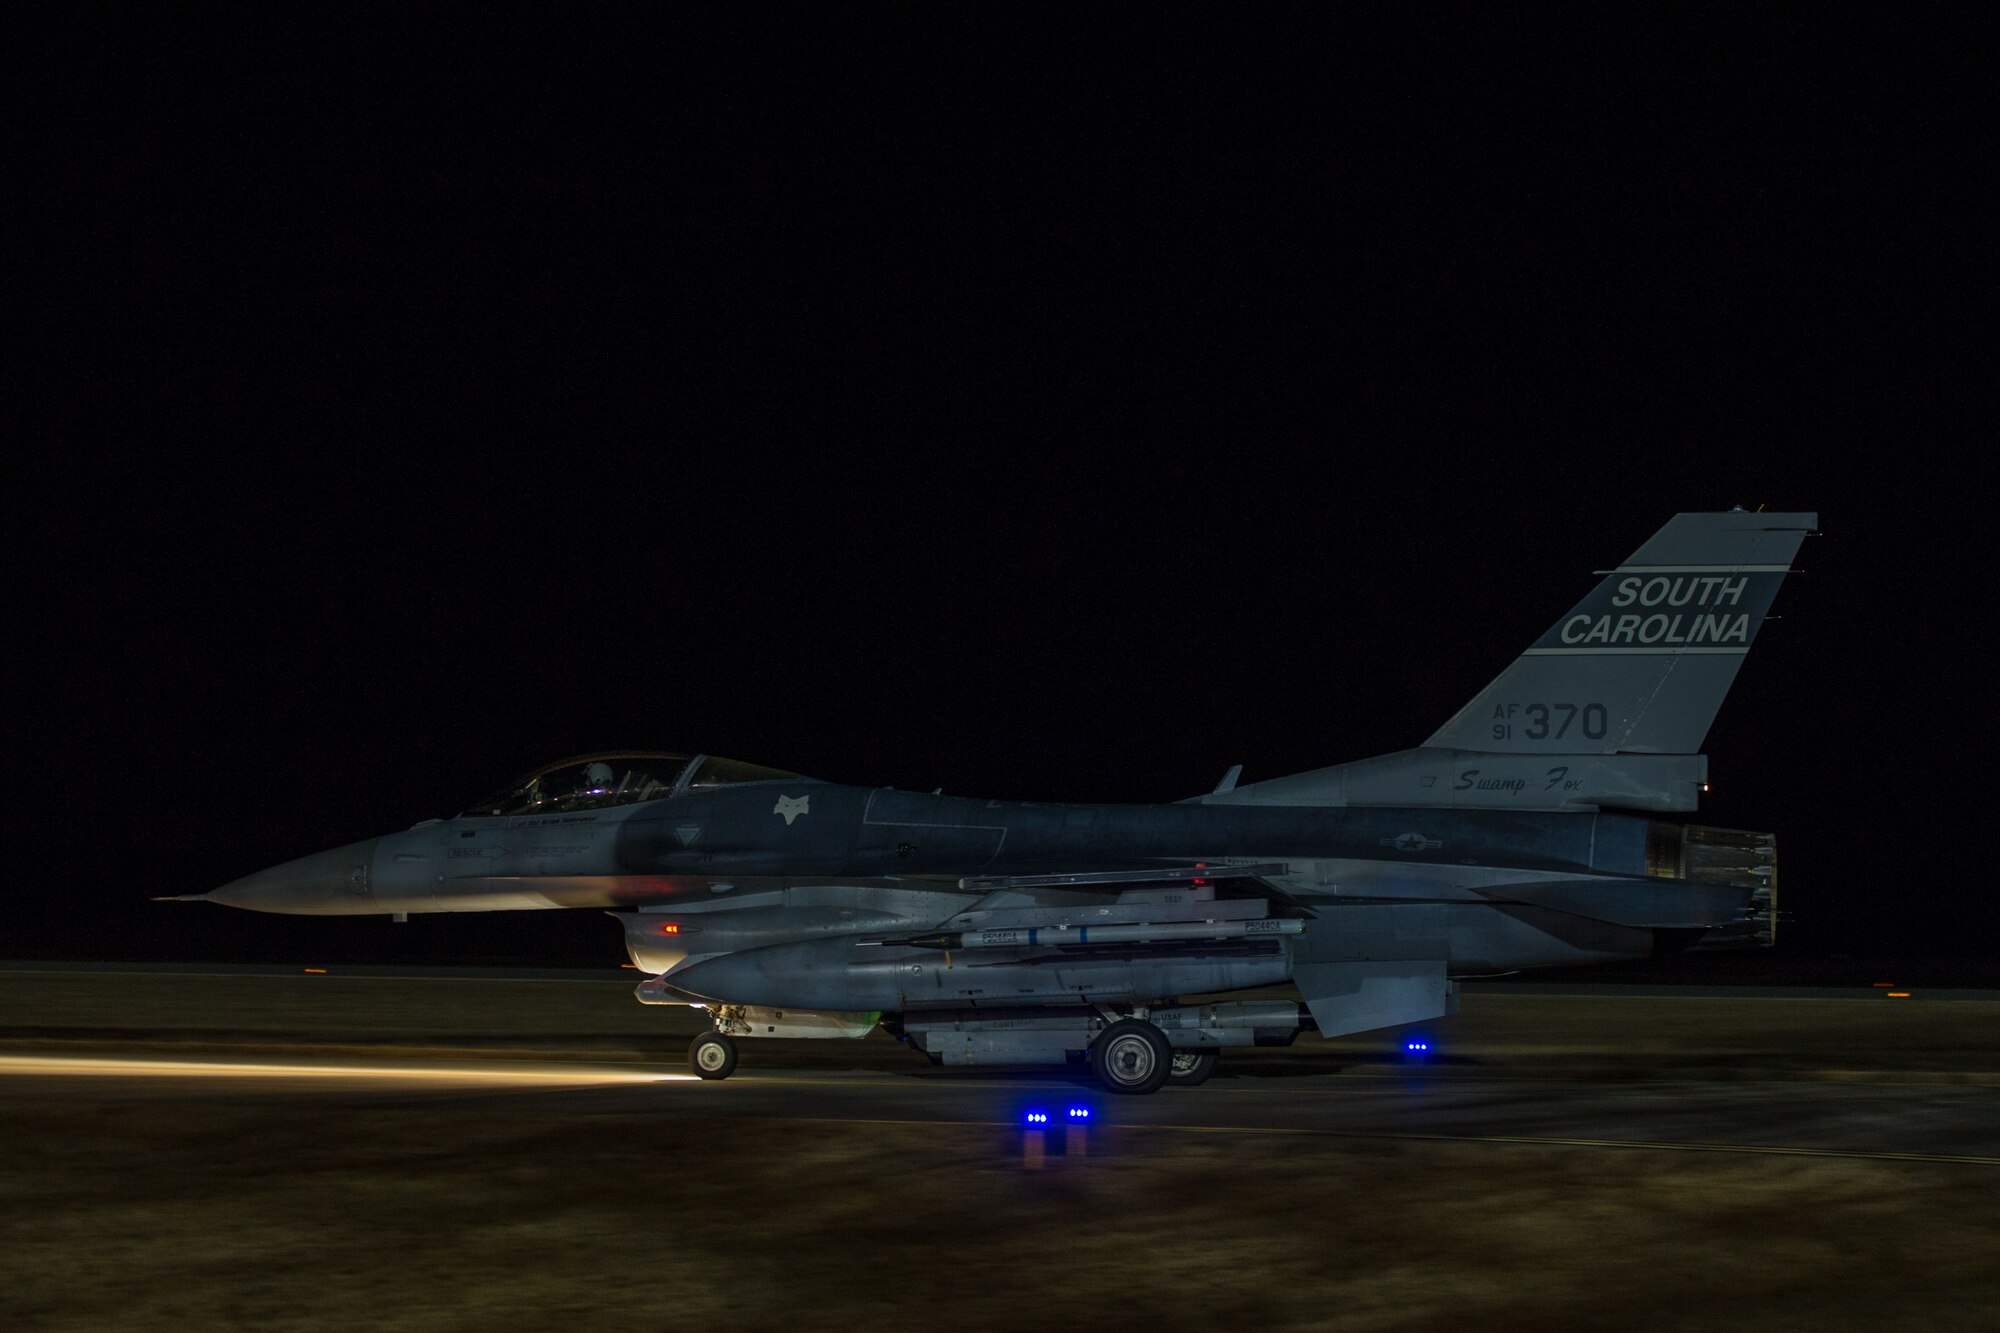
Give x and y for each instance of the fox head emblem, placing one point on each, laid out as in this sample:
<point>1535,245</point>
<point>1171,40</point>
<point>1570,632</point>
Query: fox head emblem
<point>791,807</point>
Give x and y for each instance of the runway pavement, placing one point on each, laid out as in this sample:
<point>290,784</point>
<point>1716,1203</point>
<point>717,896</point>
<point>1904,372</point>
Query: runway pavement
<point>1862,1076</point>
<point>1616,1163</point>
<point>1956,1125</point>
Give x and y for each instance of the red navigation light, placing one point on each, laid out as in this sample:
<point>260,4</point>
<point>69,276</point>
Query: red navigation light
<point>670,929</point>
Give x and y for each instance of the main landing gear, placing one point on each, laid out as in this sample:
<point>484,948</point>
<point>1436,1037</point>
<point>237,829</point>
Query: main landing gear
<point>1191,1067</point>
<point>1131,1056</point>
<point>712,1055</point>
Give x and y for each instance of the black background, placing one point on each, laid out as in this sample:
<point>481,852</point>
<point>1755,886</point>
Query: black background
<point>1001,401</point>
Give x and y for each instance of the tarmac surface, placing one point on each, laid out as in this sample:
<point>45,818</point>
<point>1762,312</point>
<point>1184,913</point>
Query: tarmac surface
<point>442,1152</point>
<point>1782,1073</point>
<point>1872,1120</point>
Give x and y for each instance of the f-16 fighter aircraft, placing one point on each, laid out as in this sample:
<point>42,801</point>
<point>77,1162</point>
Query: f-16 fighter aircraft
<point>1524,833</point>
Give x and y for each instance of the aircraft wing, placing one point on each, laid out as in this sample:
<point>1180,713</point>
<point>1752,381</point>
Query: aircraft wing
<point>1091,879</point>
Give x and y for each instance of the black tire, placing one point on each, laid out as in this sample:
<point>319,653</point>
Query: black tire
<point>1131,1056</point>
<point>712,1055</point>
<point>1191,1068</point>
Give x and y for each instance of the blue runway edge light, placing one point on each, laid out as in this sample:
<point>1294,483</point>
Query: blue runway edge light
<point>1416,1047</point>
<point>1038,1117</point>
<point>1079,1113</point>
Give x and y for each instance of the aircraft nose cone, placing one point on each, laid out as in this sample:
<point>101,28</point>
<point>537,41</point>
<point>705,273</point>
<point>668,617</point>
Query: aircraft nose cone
<point>328,883</point>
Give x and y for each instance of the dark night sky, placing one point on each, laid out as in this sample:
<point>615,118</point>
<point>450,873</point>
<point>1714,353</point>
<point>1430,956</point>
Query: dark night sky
<point>1025,408</point>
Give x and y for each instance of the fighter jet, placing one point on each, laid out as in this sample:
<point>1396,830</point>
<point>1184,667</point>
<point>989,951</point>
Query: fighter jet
<point>1526,832</point>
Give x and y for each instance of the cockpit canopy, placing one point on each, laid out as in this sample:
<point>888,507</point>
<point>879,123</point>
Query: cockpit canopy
<point>592,782</point>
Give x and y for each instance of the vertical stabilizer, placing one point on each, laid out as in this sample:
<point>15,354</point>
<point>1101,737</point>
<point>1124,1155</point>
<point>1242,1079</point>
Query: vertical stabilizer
<point>1641,665</point>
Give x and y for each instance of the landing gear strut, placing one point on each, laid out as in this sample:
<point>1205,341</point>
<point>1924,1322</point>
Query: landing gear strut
<point>712,1055</point>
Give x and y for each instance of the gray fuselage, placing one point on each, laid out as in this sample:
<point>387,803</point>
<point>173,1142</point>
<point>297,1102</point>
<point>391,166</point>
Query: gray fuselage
<point>774,868</point>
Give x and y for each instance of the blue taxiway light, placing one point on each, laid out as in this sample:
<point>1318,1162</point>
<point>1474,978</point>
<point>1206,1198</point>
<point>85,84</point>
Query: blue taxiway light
<point>1036,1118</point>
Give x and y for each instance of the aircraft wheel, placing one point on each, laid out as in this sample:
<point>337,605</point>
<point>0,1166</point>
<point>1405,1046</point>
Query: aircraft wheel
<point>1131,1056</point>
<point>1189,1068</point>
<point>712,1056</point>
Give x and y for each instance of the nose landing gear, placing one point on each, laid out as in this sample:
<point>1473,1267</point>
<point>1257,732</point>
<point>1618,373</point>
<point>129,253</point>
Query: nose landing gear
<point>712,1056</point>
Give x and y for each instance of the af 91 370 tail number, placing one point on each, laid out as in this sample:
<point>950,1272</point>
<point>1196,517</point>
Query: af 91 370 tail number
<point>1551,721</point>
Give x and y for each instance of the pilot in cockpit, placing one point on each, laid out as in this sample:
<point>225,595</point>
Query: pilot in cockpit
<point>593,785</point>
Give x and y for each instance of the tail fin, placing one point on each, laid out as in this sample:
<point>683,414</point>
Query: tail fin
<point>1640,666</point>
